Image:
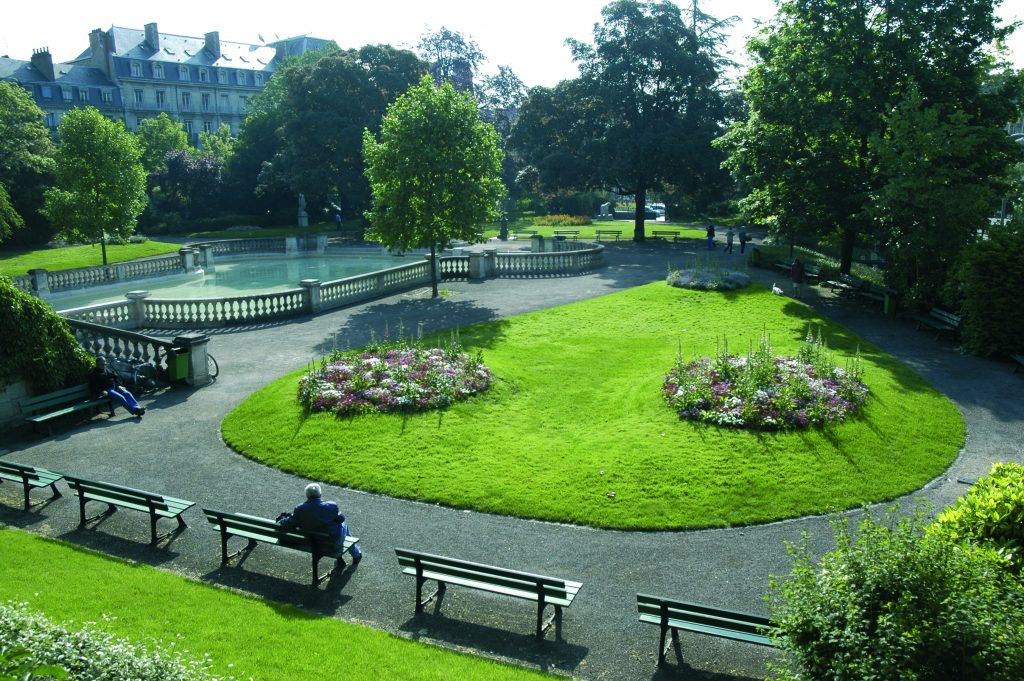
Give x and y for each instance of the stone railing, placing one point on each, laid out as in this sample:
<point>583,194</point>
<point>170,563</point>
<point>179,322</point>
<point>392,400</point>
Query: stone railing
<point>547,264</point>
<point>23,283</point>
<point>42,282</point>
<point>342,292</point>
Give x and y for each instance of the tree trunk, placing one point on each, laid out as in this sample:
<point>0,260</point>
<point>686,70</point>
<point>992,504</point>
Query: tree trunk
<point>638,215</point>
<point>846,250</point>
<point>433,270</point>
<point>103,247</point>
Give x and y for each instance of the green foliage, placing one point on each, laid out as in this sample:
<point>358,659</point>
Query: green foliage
<point>991,515</point>
<point>897,602</point>
<point>9,218</point>
<point>26,161</point>
<point>562,220</point>
<point>36,344</point>
<point>435,172</point>
<point>101,184</point>
<point>158,137</point>
<point>16,665</point>
<point>219,144</point>
<point>986,285</point>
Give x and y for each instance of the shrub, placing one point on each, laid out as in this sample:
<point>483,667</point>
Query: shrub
<point>763,391</point>
<point>36,344</point>
<point>991,514</point>
<point>899,603</point>
<point>563,220</point>
<point>988,276</point>
<point>90,653</point>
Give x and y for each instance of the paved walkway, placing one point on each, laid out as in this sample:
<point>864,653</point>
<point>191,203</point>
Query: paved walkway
<point>177,449</point>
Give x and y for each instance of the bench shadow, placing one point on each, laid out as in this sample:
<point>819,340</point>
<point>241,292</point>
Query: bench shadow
<point>678,669</point>
<point>324,599</point>
<point>136,550</point>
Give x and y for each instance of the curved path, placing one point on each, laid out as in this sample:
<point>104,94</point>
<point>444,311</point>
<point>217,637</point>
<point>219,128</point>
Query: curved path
<point>176,449</point>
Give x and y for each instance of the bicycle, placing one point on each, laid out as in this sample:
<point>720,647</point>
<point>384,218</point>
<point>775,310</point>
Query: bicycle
<point>135,374</point>
<point>212,368</point>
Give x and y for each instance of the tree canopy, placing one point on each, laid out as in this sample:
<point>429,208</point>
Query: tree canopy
<point>101,184</point>
<point>435,172</point>
<point>158,137</point>
<point>26,159</point>
<point>452,56</point>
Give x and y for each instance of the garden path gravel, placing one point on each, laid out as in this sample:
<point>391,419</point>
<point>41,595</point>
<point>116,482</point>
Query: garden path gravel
<point>176,449</point>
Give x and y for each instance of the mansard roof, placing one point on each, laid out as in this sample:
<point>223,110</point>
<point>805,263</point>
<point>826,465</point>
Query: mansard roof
<point>64,74</point>
<point>130,43</point>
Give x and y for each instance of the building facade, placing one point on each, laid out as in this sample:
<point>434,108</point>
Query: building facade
<point>132,74</point>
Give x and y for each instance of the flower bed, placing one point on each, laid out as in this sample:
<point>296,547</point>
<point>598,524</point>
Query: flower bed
<point>708,279</point>
<point>393,378</point>
<point>765,392</point>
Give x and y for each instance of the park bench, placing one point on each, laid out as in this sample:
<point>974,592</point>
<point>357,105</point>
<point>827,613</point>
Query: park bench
<point>256,530</point>
<point>874,292</point>
<point>558,593</point>
<point>43,409</point>
<point>573,234</point>
<point>520,233</point>
<point>939,321</point>
<point>1019,359</point>
<point>845,284</point>
<point>664,234</point>
<point>810,271</point>
<point>156,505</point>
<point>29,477</point>
<point>607,233</point>
<point>673,616</point>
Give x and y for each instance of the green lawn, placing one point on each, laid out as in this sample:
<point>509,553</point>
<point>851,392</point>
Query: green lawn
<point>587,231</point>
<point>263,640</point>
<point>575,428</point>
<point>16,263</point>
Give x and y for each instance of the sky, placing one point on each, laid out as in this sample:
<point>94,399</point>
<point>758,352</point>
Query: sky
<point>526,35</point>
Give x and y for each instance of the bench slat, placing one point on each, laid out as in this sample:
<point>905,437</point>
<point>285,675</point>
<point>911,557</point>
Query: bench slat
<point>442,561</point>
<point>493,587</point>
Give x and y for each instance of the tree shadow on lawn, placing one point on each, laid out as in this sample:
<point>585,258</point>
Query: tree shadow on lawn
<point>404,316</point>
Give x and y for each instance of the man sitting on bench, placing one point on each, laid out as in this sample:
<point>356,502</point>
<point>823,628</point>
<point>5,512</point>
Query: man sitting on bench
<point>317,515</point>
<point>104,382</point>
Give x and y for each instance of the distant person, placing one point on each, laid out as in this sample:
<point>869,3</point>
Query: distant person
<point>729,235</point>
<point>104,382</point>
<point>797,274</point>
<point>743,237</point>
<point>316,515</point>
<point>337,220</point>
<point>711,236</point>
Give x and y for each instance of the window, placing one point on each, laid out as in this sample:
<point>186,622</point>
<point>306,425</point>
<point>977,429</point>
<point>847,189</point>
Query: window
<point>186,101</point>
<point>257,79</point>
<point>207,127</point>
<point>136,69</point>
<point>139,97</point>
<point>183,73</point>
<point>107,96</point>
<point>47,92</point>
<point>206,101</point>
<point>224,102</point>
<point>83,94</point>
<point>188,127</point>
<point>222,76</point>
<point>243,102</point>
<point>204,76</point>
<point>240,76</point>
<point>51,120</point>
<point>66,92</point>
<point>160,98</point>
<point>158,70</point>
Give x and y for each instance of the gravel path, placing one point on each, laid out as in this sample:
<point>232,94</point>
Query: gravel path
<point>177,449</point>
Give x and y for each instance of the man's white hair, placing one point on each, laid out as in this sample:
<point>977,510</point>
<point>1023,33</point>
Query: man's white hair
<point>313,491</point>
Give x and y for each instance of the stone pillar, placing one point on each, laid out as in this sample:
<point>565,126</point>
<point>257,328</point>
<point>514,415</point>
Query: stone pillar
<point>321,243</point>
<point>536,243</point>
<point>434,266</point>
<point>477,265</point>
<point>311,295</point>
<point>491,261</point>
<point>118,270</point>
<point>195,345</point>
<point>138,308</point>
<point>188,259</point>
<point>206,255</point>
<point>40,284</point>
<point>291,245</point>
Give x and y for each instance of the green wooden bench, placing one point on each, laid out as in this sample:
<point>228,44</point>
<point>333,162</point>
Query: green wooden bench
<point>607,233</point>
<point>674,616</point>
<point>156,505</point>
<point>847,285</point>
<point>940,321</point>
<point>558,593</point>
<point>573,234</point>
<point>664,234</point>
<point>43,409</point>
<point>256,530</point>
<point>30,477</point>
<point>520,233</point>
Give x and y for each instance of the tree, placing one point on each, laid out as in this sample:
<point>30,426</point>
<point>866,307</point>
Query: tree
<point>101,184</point>
<point>453,57</point>
<point>826,81</point>
<point>160,136</point>
<point>190,184</point>
<point>643,112</point>
<point>435,172</point>
<point>26,161</point>
<point>500,97</point>
<point>218,144</point>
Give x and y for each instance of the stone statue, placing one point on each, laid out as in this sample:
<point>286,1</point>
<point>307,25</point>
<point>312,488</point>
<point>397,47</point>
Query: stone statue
<point>303,215</point>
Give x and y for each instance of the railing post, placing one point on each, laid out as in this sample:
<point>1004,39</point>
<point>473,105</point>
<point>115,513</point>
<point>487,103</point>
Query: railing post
<point>40,283</point>
<point>433,264</point>
<point>311,295</point>
<point>119,272</point>
<point>536,243</point>
<point>195,345</point>
<point>206,257</point>
<point>477,265</point>
<point>490,262</point>
<point>188,259</point>
<point>291,245</point>
<point>321,244</point>
<point>138,308</point>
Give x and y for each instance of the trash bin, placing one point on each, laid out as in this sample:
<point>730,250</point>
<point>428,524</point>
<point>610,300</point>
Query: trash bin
<point>177,364</point>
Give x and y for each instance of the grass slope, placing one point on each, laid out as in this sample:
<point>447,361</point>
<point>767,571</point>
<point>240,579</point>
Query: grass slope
<point>575,428</point>
<point>262,640</point>
<point>17,263</point>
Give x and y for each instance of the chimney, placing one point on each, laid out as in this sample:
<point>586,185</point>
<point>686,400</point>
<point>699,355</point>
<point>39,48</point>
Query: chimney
<point>43,61</point>
<point>100,50</point>
<point>213,43</point>
<point>153,37</point>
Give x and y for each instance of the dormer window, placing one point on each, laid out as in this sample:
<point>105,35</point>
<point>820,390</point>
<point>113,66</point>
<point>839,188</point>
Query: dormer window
<point>257,79</point>
<point>222,76</point>
<point>183,73</point>
<point>241,78</point>
<point>136,69</point>
<point>83,94</point>
<point>158,70</point>
<point>204,76</point>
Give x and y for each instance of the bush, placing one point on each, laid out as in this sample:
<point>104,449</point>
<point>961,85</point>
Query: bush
<point>899,603</point>
<point>991,514</point>
<point>36,344</point>
<point>91,653</point>
<point>988,276</point>
<point>563,220</point>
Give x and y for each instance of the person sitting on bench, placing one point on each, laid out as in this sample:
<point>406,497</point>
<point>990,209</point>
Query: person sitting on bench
<point>317,515</point>
<point>104,382</point>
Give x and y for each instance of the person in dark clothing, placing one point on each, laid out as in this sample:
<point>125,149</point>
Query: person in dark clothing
<point>711,236</point>
<point>317,515</point>
<point>104,382</point>
<point>797,273</point>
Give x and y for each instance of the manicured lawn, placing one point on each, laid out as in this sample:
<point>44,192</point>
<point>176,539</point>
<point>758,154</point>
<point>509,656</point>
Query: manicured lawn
<point>16,263</point>
<point>575,428</point>
<point>263,640</point>
<point>587,231</point>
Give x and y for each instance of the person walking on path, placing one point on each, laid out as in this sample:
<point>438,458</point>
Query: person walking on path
<point>796,273</point>
<point>711,236</point>
<point>104,382</point>
<point>316,515</point>
<point>729,234</point>
<point>743,237</point>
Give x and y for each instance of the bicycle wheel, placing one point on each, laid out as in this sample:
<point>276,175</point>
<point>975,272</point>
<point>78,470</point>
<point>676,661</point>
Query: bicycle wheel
<point>145,377</point>
<point>212,367</point>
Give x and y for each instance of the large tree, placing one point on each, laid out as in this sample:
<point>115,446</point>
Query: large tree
<point>452,56</point>
<point>101,184</point>
<point>835,94</point>
<point>158,137</point>
<point>26,160</point>
<point>435,172</point>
